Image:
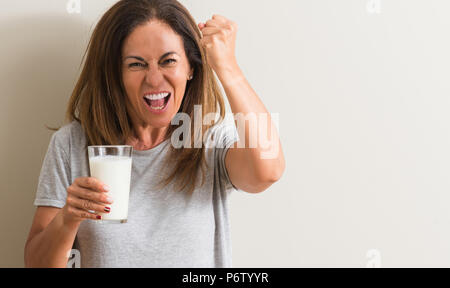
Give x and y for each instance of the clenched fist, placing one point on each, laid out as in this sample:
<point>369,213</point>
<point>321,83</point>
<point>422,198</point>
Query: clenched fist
<point>219,40</point>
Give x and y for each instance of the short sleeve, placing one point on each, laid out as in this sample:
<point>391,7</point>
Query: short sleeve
<point>225,135</point>
<point>55,174</point>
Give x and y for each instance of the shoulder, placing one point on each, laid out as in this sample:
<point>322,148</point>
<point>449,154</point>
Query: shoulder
<point>68,135</point>
<point>71,130</point>
<point>222,134</point>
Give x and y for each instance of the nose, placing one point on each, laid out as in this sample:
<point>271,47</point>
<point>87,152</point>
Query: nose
<point>154,77</point>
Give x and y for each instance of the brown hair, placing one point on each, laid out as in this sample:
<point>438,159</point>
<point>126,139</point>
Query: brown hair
<point>98,101</point>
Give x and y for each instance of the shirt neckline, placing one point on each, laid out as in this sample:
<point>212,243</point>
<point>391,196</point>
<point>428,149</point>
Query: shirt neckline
<point>155,149</point>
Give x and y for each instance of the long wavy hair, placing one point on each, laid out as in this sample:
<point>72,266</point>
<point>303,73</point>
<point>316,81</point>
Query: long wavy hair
<point>98,101</point>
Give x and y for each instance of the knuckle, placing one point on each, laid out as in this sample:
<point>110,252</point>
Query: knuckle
<point>89,181</point>
<point>85,194</point>
<point>86,204</point>
<point>70,189</point>
<point>81,194</point>
<point>70,210</point>
<point>79,180</point>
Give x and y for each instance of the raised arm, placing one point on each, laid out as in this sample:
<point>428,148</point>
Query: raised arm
<point>251,168</point>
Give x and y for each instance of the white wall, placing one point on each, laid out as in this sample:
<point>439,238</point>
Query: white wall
<point>362,99</point>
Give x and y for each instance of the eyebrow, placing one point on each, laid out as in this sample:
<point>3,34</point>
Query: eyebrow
<point>143,60</point>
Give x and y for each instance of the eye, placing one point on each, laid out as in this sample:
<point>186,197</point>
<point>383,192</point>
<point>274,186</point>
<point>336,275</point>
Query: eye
<point>169,61</point>
<point>136,64</point>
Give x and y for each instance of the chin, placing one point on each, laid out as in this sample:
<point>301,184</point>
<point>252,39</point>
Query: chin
<point>161,121</point>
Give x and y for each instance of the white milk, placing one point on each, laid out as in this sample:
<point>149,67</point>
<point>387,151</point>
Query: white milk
<point>114,171</point>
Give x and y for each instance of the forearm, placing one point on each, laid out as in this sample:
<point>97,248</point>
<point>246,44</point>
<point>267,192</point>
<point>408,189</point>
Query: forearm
<point>50,247</point>
<point>259,138</point>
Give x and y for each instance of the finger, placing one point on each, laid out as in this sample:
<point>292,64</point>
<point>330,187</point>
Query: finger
<point>201,25</point>
<point>83,193</point>
<point>83,214</point>
<point>87,205</point>
<point>224,22</point>
<point>220,18</point>
<point>208,31</point>
<point>91,183</point>
<point>213,23</point>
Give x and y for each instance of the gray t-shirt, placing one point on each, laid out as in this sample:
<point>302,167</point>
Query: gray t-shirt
<point>165,227</point>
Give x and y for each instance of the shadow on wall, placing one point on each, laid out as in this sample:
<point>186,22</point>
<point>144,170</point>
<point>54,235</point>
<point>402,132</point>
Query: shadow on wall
<point>40,59</point>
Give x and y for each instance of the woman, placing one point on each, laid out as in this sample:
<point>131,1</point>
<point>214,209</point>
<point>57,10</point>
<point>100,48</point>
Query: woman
<point>146,63</point>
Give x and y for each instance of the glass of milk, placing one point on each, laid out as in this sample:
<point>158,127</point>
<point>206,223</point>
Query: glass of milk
<point>112,166</point>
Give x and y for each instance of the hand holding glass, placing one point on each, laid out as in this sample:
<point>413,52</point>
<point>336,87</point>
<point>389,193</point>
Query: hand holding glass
<point>112,166</point>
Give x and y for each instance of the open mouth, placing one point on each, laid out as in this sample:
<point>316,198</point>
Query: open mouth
<point>157,102</point>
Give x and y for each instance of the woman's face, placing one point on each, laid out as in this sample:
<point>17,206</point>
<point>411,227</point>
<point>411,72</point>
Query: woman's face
<point>155,73</point>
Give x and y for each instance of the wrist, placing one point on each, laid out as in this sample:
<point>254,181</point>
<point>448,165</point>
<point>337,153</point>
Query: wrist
<point>230,74</point>
<point>68,222</point>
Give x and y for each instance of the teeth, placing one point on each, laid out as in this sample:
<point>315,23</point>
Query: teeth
<point>156,96</point>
